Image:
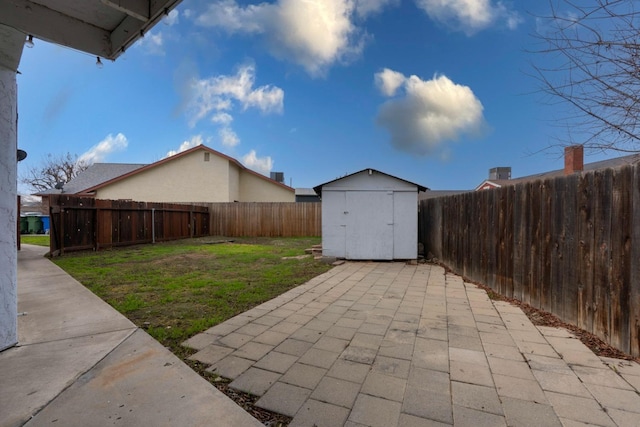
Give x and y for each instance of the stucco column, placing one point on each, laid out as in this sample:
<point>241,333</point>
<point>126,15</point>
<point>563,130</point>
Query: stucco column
<point>11,43</point>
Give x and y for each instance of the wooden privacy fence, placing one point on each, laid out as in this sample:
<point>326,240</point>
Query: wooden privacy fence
<point>80,223</point>
<point>569,245</point>
<point>265,219</point>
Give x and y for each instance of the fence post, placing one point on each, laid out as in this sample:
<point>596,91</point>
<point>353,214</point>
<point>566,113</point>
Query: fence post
<point>153,225</point>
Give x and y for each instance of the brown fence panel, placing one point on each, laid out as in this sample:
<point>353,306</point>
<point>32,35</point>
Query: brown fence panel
<point>265,219</point>
<point>568,245</point>
<point>79,223</point>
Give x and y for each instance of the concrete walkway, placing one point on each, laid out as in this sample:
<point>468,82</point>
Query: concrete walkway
<point>81,363</point>
<point>389,344</point>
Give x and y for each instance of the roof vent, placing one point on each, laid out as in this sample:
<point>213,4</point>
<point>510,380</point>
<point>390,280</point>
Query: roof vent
<point>278,177</point>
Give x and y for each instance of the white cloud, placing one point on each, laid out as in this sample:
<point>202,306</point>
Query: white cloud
<point>469,16</point>
<point>388,81</point>
<point>369,7</point>
<point>429,113</point>
<point>261,165</point>
<point>222,118</point>
<point>193,142</point>
<point>152,43</point>
<point>172,18</point>
<point>99,152</point>
<point>219,93</point>
<point>313,34</point>
<point>228,137</point>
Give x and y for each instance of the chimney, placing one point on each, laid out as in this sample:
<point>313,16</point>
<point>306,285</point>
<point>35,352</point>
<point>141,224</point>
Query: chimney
<point>573,159</point>
<point>500,173</point>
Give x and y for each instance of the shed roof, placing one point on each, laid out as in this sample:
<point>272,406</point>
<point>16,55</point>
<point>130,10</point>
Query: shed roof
<point>318,188</point>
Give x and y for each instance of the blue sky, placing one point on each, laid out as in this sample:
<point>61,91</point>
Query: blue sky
<point>435,92</point>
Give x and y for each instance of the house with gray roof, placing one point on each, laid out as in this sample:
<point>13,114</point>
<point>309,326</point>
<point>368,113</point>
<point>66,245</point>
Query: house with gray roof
<point>573,163</point>
<point>197,175</point>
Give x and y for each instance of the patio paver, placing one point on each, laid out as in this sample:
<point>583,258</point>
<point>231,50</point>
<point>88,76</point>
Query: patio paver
<point>392,344</point>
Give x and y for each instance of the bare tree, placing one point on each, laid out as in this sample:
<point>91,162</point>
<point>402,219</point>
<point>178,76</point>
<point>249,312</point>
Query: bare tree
<point>54,169</point>
<point>594,49</point>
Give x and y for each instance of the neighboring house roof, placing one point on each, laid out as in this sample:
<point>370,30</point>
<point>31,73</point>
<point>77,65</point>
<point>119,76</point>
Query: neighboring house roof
<point>305,192</point>
<point>318,188</point>
<point>94,175</point>
<point>603,164</point>
<point>109,173</point>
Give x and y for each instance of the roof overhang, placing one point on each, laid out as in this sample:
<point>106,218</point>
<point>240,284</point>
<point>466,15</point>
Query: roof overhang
<point>318,188</point>
<point>104,28</point>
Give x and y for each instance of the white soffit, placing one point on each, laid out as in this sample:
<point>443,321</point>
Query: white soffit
<point>104,28</point>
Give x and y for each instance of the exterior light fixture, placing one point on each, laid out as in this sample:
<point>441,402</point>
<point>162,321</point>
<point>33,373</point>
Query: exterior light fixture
<point>21,155</point>
<point>99,63</point>
<point>29,42</point>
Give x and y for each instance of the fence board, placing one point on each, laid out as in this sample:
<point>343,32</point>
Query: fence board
<point>585,249</point>
<point>546,244</point>
<point>558,207</point>
<point>620,259</point>
<point>634,274</point>
<point>536,247</point>
<point>602,265</point>
<point>569,251</point>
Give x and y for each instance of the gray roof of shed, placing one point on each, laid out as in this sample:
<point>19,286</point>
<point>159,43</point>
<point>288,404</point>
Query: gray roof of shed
<point>318,188</point>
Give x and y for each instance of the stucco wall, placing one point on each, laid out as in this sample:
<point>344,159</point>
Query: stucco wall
<point>185,179</point>
<point>234,183</point>
<point>8,209</point>
<point>256,189</point>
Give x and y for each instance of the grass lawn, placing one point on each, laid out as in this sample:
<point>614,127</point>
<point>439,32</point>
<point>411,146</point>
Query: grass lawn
<point>35,239</point>
<point>175,290</point>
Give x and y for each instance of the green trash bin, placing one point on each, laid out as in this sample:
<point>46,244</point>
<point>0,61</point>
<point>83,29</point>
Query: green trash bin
<point>34,225</point>
<point>24,225</point>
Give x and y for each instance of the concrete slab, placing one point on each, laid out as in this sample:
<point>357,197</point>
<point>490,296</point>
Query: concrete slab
<point>284,398</point>
<point>384,386</point>
<point>428,404</point>
<point>57,307</point>
<point>468,417</point>
<point>320,414</point>
<point>521,413</point>
<point>336,391</point>
<point>375,412</point>
<point>33,375</point>
<point>230,367</point>
<point>306,376</point>
<point>140,383</point>
<point>255,381</point>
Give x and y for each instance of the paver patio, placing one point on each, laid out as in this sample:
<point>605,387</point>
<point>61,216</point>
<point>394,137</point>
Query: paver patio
<point>386,344</point>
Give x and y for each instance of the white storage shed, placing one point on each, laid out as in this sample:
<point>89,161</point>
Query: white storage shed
<point>370,215</point>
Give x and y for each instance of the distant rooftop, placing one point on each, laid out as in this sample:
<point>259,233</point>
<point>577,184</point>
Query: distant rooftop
<point>95,174</point>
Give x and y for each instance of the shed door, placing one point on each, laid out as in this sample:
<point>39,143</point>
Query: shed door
<point>369,225</point>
